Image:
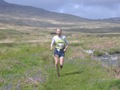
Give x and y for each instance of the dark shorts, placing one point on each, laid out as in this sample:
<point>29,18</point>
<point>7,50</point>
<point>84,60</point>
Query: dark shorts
<point>60,53</point>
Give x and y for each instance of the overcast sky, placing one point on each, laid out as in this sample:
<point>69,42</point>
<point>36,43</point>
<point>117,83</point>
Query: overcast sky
<point>92,9</point>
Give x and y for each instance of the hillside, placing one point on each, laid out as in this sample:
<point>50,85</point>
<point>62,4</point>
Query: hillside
<point>14,16</point>
<point>11,13</point>
<point>29,11</point>
<point>112,20</point>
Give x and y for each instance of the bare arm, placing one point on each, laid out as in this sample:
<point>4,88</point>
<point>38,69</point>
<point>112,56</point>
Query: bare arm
<point>65,48</point>
<point>67,44</point>
<point>52,43</point>
<point>51,47</point>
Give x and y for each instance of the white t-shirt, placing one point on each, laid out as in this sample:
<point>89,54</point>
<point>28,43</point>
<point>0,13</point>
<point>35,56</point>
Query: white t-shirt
<point>55,38</point>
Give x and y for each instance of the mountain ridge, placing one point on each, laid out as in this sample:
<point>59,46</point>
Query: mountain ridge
<point>13,9</point>
<point>23,16</point>
<point>20,15</point>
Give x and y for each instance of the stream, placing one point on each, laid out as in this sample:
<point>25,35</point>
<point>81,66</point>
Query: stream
<point>109,60</point>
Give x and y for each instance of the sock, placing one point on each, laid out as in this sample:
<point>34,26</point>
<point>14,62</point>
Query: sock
<point>61,66</point>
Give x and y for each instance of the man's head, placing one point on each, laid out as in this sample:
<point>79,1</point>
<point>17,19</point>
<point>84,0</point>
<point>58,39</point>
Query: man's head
<point>59,32</point>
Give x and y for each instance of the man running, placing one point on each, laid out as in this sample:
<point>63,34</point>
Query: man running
<point>61,44</point>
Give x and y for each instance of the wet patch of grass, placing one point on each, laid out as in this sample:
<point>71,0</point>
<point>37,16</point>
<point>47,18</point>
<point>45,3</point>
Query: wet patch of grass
<point>81,74</point>
<point>23,67</point>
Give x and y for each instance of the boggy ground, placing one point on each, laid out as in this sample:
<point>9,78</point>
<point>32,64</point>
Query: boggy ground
<point>30,65</point>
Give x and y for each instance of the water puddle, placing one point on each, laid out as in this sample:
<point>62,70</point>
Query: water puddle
<point>109,60</point>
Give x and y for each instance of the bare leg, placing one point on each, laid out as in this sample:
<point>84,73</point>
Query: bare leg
<point>56,64</point>
<point>61,62</point>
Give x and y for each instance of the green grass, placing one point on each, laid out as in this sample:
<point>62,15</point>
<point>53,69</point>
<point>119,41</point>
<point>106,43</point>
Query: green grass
<point>21,64</point>
<point>81,75</point>
<point>9,33</point>
<point>29,62</point>
<point>30,66</point>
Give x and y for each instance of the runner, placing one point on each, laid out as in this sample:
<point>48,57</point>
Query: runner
<point>61,44</point>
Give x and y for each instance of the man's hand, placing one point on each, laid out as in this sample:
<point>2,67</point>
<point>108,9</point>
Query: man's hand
<point>65,50</point>
<point>51,49</point>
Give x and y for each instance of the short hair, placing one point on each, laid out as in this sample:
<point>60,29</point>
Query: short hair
<point>59,29</point>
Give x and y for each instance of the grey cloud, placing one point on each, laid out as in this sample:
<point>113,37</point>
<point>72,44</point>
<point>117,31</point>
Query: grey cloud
<point>92,12</point>
<point>96,2</point>
<point>55,4</point>
<point>46,4</point>
<point>85,8</point>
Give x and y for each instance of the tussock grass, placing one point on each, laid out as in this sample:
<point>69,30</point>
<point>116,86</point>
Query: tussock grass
<point>30,65</point>
<point>81,74</point>
<point>22,66</point>
<point>97,42</point>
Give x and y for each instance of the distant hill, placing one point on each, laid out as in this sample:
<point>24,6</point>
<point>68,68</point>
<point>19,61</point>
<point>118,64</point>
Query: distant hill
<point>112,20</point>
<point>19,15</point>
<point>29,11</point>
<point>24,15</point>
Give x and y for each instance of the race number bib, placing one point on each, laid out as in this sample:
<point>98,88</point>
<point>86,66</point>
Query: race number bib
<point>61,45</point>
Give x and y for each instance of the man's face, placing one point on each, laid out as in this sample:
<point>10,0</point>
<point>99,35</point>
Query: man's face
<point>59,32</point>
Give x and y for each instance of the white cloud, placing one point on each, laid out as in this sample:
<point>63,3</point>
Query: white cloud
<point>84,8</point>
<point>76,6</point>
<point>92,12</point>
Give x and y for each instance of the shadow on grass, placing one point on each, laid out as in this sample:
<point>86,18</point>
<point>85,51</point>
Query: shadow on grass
<point>72,73</point>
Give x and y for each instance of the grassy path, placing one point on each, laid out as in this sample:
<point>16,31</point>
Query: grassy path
<point>31,67</point>
<point>81,75</point>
